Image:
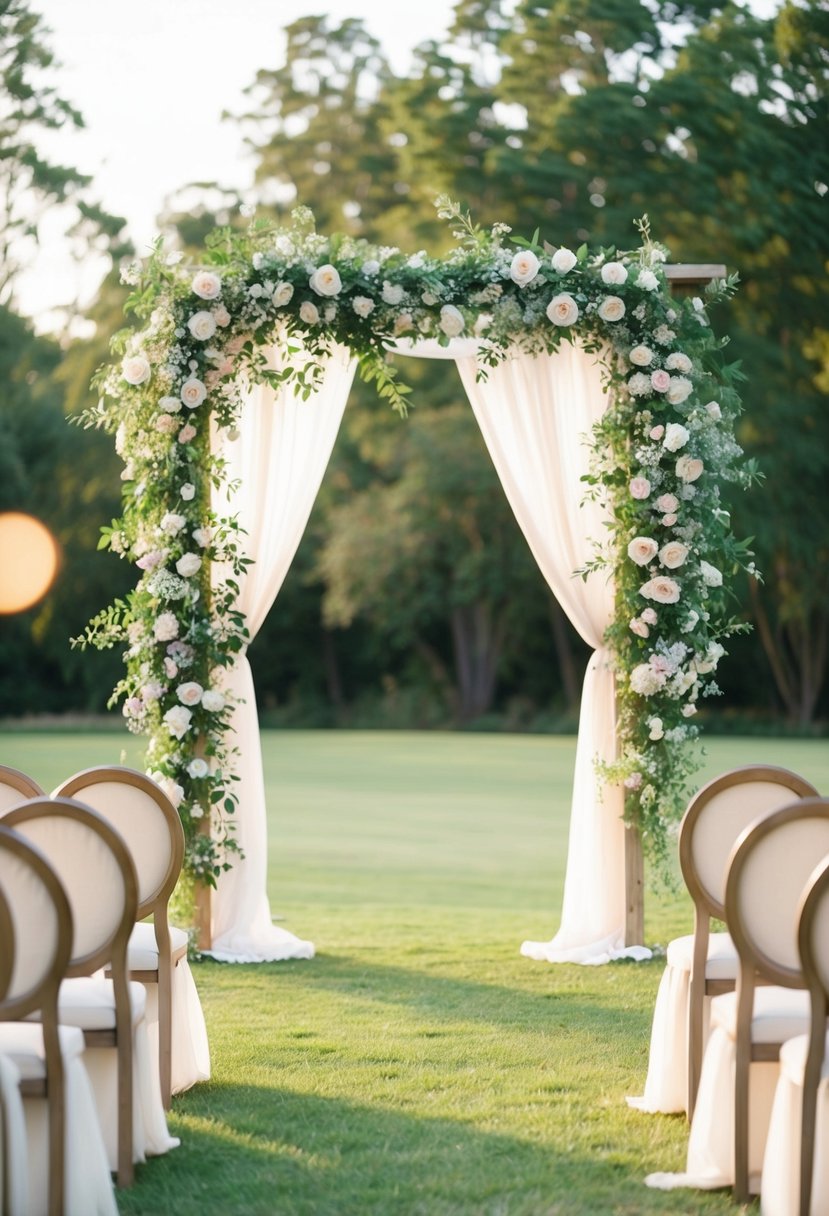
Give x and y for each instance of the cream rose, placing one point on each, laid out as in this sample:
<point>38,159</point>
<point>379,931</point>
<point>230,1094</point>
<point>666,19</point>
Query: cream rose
<point>202,325</point>
<point>451,320</point>
<point>614,272</point>
<point>165,627</point>
<point>198,768</point>
<point>202,537</point>
<point>638,626</point>
<point>206,285</point>
<point>655,729</point>
<point>524,267</point>
<point>642,550</point>
<point>673,554</point>
<point>166,424</point>
<point>678,362</point>
<point>193,392</point>
<point>713,410</point>
<point>221,316</point>
<point>188,491</point>
<point>563,260</point>
<point>309,313</point>
<point>641,356</point>
<point>326,281</point>
<point>283,293</point>
<point>169,787</point>
<point>213,701</point>
<point>688,469</point>
<point>647,280</point>
<point>190,693</point>
<point>563,310</point>
<point>649,616</point>
<point>178,721</point>
<point>662,589</point>
<point>363,306</point>
<point>666,502</point>
<point>679,390</point>
<point>188,565</point>
<point>171,523</point>
<point>640,487</point>
<point>136,369</point>
<point>676,436</point>
<point>612,308</point>
<point>186,433</point>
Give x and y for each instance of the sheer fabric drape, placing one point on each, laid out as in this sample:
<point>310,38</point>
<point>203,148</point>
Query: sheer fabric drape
<point>536,414</point>
<point>279,458</point>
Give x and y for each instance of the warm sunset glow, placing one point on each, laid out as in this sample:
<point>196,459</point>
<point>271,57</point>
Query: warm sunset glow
<point>28,561</point>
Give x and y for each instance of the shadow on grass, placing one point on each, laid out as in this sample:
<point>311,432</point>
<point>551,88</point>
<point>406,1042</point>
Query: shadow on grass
<point>249,1151</point>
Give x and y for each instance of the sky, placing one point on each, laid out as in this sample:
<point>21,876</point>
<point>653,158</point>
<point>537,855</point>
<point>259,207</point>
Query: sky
<point>152,80</point>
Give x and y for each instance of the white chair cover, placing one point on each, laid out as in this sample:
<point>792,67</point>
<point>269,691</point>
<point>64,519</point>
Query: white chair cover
<point>780,1186</point>
<point>536,414</point>
<point>88,1186</point>
<point>14,1150</point>
<point>280,457</point>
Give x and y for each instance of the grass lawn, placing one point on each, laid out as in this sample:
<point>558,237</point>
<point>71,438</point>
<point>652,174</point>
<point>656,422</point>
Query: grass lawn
<point>419,1066</point>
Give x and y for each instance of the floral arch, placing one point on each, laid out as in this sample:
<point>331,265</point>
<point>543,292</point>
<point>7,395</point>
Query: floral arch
<point>272,307</point>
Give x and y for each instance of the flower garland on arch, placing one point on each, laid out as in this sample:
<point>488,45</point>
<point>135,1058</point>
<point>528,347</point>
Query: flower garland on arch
<point>660,455</point>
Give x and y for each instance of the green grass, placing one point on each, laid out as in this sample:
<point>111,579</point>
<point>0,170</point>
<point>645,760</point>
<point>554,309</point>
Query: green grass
<point>419,1066</point>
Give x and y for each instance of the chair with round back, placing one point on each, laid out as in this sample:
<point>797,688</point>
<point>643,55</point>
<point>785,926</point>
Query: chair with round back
<point>703,964</point>
<point>16,787</point>
<point>96,870</point>
<point>770,866</point>
<point>35,945</point>
<point>157,953</point>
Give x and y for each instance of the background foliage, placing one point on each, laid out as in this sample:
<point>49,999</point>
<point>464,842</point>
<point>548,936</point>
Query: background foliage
<point>571,117</point>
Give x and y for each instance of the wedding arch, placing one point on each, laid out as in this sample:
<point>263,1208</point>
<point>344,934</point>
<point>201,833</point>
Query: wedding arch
<point>608,410</point>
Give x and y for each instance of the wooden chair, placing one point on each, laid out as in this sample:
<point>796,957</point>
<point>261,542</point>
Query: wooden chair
<point>97,872</point>
<point>770,866</point>
<point>35,945</point>
<point>813,944</point>
<point>714,820</point>
<point>150,825</point>
<point>16,787</point>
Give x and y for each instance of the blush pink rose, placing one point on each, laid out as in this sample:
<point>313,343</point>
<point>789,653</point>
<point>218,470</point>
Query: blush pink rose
<point>657,432</point>
<point>660,380</point>
<point>640,487</point>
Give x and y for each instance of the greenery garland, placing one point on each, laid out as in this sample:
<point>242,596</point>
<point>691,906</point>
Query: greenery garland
<point>660,456</point>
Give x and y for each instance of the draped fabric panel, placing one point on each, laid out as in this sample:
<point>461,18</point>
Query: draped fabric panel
<point>536,413</point>
<point>279,458</point>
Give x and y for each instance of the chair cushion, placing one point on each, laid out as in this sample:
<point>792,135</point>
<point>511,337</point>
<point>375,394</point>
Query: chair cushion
<point>793,1058</point>
<point>779,1014</point>
<point>88,1001</point>
<point>142,952</point>
<point>22,1042</point>
<point>722,962</point>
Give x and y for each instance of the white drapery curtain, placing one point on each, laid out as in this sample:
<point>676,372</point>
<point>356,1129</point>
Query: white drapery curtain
<point>536,414</point>
<point>279,458</point>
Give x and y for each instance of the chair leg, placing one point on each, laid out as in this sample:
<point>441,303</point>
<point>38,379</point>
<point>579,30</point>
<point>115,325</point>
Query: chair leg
<point>124,1056</point>
<point>696,1006</point>
<point>808,1120</point>
<point>745,1011</point>
<point>56,1097</point>
<point>165,1029</point>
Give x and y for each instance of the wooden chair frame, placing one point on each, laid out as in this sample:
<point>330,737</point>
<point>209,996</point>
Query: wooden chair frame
<point>706,903</point>
<point>42,997</point>
<point>14,779</point>
<point>155,904</point>
<point>756,966</point>
<point>814,898</point>
<point>112,951</point>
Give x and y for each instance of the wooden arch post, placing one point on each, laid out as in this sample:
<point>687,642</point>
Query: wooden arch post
<point>685,279</point>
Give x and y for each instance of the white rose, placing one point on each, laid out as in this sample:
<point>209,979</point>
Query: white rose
<point>524,267</point>
<point>188,564</point>
<point>711,576</point>
<point>713,410</point>
<point>662,589</point>
<point>641,356</point>
<point>282,294</point>
<point>198,768</point>
<point>563,310</point>
<point>564,260</point>
<point>190,693</point>
<point>647,280</point>
<point>171,523</point>
<point>178,721</point>
<point>612,308</point>
<point>678,390</point>
<point>362,305</point>
<point>642,550</point>
<point>212,700</point>
<point>221,316</point>
<point>326,281</point>
<point>673,555</point>
<point>677,362</point>
<point>646,681</point>
<point>136,369</point>
<point>688,711</point>
<point>451,320</point>
<point>676,436</point>
<point>614,272</point>
<point>429,298</point>
<point>168,786</point>
<point>206,285</point>
<point>193,392</point>
<point>656,729</point>
<point>165,627</point>
<point>392,293</point>
<point>188,491</point>
<point>202,537</point>
<point>169,405</point>
<point>202,325</point>
<point>688,469</point>
<point>309,313</point>
<point>371,268</point>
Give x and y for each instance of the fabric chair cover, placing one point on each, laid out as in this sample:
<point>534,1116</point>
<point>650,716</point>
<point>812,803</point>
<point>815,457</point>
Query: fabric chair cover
<point>14,1149</point>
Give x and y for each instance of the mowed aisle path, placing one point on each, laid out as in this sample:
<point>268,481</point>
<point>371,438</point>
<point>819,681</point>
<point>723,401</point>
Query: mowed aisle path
<point>419,1066</point>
